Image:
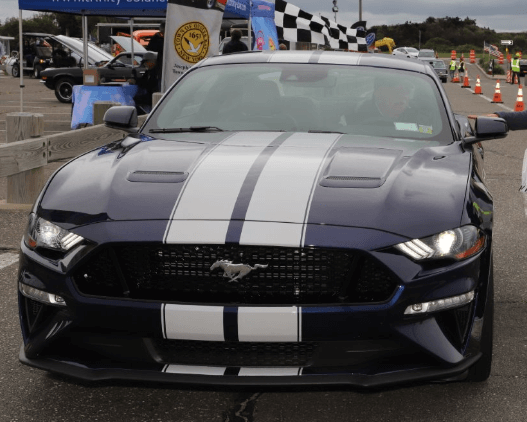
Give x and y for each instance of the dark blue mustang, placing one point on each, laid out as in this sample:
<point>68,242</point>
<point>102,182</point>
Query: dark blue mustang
<point>280,218</point>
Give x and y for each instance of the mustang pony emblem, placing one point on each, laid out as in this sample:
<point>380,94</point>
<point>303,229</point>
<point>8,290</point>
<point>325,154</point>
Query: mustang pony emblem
<point>235,271</point>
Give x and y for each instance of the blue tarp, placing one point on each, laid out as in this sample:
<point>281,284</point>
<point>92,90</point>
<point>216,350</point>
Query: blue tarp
<point>127,8</point>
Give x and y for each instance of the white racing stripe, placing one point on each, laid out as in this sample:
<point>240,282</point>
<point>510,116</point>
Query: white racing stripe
<point>190,322</point>
<point>194,370</point>
<point>212,190</point>
<point>7,259</point>
<point>268,324</point>
<point>284,189</point>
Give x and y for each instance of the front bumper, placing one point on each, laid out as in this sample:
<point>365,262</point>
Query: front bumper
<point>367,345</point>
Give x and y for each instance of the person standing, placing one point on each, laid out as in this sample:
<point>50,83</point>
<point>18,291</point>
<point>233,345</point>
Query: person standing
<point>461,68</point>
<point>157,44</point>
<point>235,45</point>
<point>515,67</point>
<point>452,67</point>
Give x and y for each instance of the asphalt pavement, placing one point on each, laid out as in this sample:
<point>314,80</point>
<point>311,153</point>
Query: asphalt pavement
<point>28,394</point>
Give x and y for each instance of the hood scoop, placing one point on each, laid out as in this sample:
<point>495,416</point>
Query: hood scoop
<point>157,176</point>
<point>359,167</point>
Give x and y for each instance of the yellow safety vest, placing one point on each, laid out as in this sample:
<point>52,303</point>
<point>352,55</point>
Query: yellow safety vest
<point>515,65</point>
<point>452,65</point>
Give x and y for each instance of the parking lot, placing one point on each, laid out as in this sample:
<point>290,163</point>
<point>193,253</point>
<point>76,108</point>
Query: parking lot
<point>29,394</point>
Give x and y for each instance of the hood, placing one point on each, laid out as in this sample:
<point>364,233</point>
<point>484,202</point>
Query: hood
<point>126,44</point>
<point>298,179</point>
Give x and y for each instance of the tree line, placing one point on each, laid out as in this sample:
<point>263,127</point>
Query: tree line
<point>446,34</point>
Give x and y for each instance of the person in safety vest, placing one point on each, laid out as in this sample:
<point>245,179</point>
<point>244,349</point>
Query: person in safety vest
<point>452,67</point>
<point>515,68</point>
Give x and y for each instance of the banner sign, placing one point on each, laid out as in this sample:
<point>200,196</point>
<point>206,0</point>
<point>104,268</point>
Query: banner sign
<point>192,32</point>
<point>125,8</point>
<point>128,8</point>
<point>263,26</point>
<point>241,8</point>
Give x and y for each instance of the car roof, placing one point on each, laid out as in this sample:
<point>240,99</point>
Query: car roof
<point>320,57</point>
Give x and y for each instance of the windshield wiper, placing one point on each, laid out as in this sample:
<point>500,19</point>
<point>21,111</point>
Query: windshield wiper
<point>187,129</point>
<point>323,131</point>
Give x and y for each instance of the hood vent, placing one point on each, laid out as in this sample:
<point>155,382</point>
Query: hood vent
<point>360,167</point>
<point>157,176</point>
<point>351,182</point>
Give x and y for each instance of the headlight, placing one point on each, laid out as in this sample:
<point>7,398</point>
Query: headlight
<point>459,244</point>
<point>42,233</point>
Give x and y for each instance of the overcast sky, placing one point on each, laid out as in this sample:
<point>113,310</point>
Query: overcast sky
<point>500,15</point>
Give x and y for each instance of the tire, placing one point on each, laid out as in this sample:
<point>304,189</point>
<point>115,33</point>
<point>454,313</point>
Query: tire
<point>64,90</point>
<point>36,71</point>
<point>480,371</point>
<point>15,71</point>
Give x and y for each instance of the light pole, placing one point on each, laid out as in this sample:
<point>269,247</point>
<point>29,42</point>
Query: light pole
<point>360,10</point>
<point>335,9</point>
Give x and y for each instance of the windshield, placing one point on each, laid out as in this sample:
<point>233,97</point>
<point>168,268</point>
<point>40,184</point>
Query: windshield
<point>412,50</point>
<point>438,64</point>
<point>306,98</point>
<point>426,53</point>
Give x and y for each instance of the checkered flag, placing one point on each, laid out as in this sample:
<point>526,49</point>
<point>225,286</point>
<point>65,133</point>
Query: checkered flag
<point>295,25</point>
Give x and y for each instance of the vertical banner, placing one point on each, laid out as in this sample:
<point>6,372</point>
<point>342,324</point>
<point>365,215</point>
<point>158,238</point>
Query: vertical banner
<point>263,25</point>
<point>192,32</point>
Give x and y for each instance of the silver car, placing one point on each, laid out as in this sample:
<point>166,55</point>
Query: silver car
<point>406,51</point>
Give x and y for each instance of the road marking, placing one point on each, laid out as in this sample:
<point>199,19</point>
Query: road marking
<point>7,259</point>
<point>490,100</point>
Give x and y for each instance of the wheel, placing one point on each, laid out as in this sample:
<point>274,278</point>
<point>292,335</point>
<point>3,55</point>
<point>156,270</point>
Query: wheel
<point>443,80</point>
<point>64,90</point>
<point>15,71</point>
<point>481,370</point>
<point>36,71</point>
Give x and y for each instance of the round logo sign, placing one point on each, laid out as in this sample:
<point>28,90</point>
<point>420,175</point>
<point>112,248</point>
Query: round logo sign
<point>191,42</point>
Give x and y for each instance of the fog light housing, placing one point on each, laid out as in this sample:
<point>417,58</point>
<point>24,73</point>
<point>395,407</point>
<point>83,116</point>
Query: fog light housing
<point>41,296</point>
<point>440,304</point>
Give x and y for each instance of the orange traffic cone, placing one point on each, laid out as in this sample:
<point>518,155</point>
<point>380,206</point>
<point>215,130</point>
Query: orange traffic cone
<point>456,77</point>
<point>465,80</point>
<point>497,93</point>
<point>477,90</point>
<point>519,100</point>
<point>509,77</point>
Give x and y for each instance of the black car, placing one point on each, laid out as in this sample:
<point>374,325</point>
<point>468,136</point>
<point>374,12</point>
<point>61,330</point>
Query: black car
<point>440,68</point>
<point>62,80</point>
<point>280,218</point>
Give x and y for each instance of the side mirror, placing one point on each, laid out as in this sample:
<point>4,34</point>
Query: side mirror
<point>488,128</point>
<point>121,118</point>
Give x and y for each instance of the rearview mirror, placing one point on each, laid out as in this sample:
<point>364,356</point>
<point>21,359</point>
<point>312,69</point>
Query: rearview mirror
<point>122,118</point>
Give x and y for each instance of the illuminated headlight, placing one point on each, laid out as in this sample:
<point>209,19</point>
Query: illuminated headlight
<point>41,296</point>
<point>459,244</point>
<point>440,304</point>
<point>42,61</point>
<point>42,233</point>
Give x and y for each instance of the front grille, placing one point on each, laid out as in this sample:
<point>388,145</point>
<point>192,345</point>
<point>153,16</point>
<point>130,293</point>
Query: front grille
<point>190,352</point>
<point>280,276</point>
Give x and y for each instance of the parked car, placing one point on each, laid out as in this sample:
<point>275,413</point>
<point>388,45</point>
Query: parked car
<point>37,55</point>
<point>406,51</point>
<point>119,68</point>
<point>279,218</point>
<point>440,68</point>
<point>426,54</point>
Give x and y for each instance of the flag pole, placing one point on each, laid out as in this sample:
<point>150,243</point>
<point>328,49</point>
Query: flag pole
<point>21,60</point>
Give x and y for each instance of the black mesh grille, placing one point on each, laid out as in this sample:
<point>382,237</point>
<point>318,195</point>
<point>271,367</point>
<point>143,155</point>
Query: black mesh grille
<point>455,324</point>
<point>279,275</point>
<point>214,353</point>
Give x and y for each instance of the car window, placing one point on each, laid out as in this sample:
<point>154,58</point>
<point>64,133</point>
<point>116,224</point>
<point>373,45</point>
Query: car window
<point>302,97</point>
<point>426,53</point>
<point>412,50</point>
<point>438,64</point>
